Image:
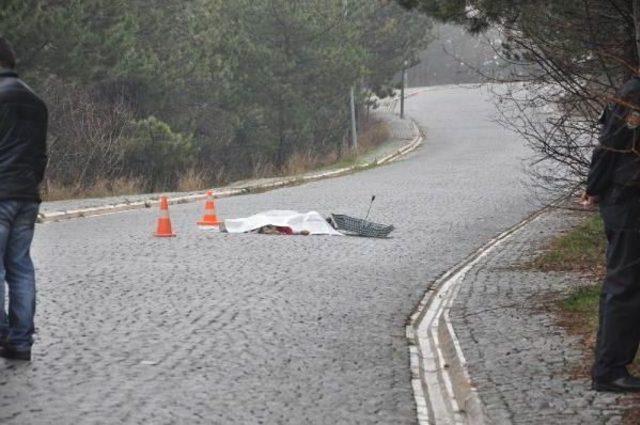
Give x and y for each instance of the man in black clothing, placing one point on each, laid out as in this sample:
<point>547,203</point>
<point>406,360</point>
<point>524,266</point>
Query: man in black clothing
<point>23,129</point>
<point>614,184</point>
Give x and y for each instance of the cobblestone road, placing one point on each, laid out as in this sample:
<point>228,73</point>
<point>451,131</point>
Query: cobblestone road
<point>218,329</point>
<point>520,359</point>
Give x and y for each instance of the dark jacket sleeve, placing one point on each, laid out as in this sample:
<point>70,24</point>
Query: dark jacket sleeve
<point>613,138</point>
<point>599,178</point>
<point>40,161</point>
<point>6,121</point>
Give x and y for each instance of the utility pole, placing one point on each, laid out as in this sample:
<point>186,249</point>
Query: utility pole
<point>352,102</point>
<point>404,83</point>
<point>354,127</point>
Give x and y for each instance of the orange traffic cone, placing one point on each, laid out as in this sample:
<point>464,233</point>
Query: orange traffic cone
<point>164,221</point>
<point>210,218</point>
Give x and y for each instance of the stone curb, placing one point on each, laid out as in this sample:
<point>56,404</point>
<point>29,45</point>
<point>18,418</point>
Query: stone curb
<point>392,104</point>
<point>443,389</point>
<point>227,192</point>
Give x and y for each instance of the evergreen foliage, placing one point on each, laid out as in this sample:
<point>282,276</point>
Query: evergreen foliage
<point>571,57</point>
<point>152,89</point>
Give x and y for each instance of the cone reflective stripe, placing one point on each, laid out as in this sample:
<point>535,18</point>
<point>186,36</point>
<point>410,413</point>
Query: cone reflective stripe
<point>210,218</point>
<point>164,221</point>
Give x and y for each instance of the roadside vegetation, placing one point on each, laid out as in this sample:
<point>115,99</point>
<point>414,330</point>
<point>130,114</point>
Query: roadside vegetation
<point>568,58</point>
<point>151,95</point>
<point>581,250</point>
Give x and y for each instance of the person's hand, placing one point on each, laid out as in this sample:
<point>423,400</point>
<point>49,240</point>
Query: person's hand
<point>589,201</point>
<point>633,119</point>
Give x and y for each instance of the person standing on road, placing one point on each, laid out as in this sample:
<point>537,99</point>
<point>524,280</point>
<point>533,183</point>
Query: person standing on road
<point>23,158</point>
<point>614,184</point>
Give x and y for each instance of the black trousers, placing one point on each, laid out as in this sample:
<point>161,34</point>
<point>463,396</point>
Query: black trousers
<point>619,324</point>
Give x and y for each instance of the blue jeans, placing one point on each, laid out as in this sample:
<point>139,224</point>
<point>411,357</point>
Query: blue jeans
<point>17,223</point>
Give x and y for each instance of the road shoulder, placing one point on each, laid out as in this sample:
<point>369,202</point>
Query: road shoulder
<point>518,359</point>
<point>405,137</point>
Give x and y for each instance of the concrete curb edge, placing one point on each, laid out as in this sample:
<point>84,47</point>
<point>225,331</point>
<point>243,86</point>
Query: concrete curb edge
<point>443,389</point>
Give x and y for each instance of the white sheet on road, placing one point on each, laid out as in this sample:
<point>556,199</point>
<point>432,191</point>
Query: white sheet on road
<point>312,222</point>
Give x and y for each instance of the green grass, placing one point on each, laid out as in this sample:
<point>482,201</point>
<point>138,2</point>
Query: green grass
<point>580,313</point>
<point>581,249</point>
<point>582,305</point>
<point>583,300</point>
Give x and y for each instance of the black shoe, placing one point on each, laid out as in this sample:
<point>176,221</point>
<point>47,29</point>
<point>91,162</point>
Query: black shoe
<point>627,384</point>
<point>13,354</point>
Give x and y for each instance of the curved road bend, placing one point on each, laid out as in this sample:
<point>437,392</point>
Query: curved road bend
<point>250,329</point>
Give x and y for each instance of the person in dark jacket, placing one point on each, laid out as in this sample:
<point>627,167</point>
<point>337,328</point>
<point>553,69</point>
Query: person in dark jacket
<point>23,158</point>
<point>614,183</point>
